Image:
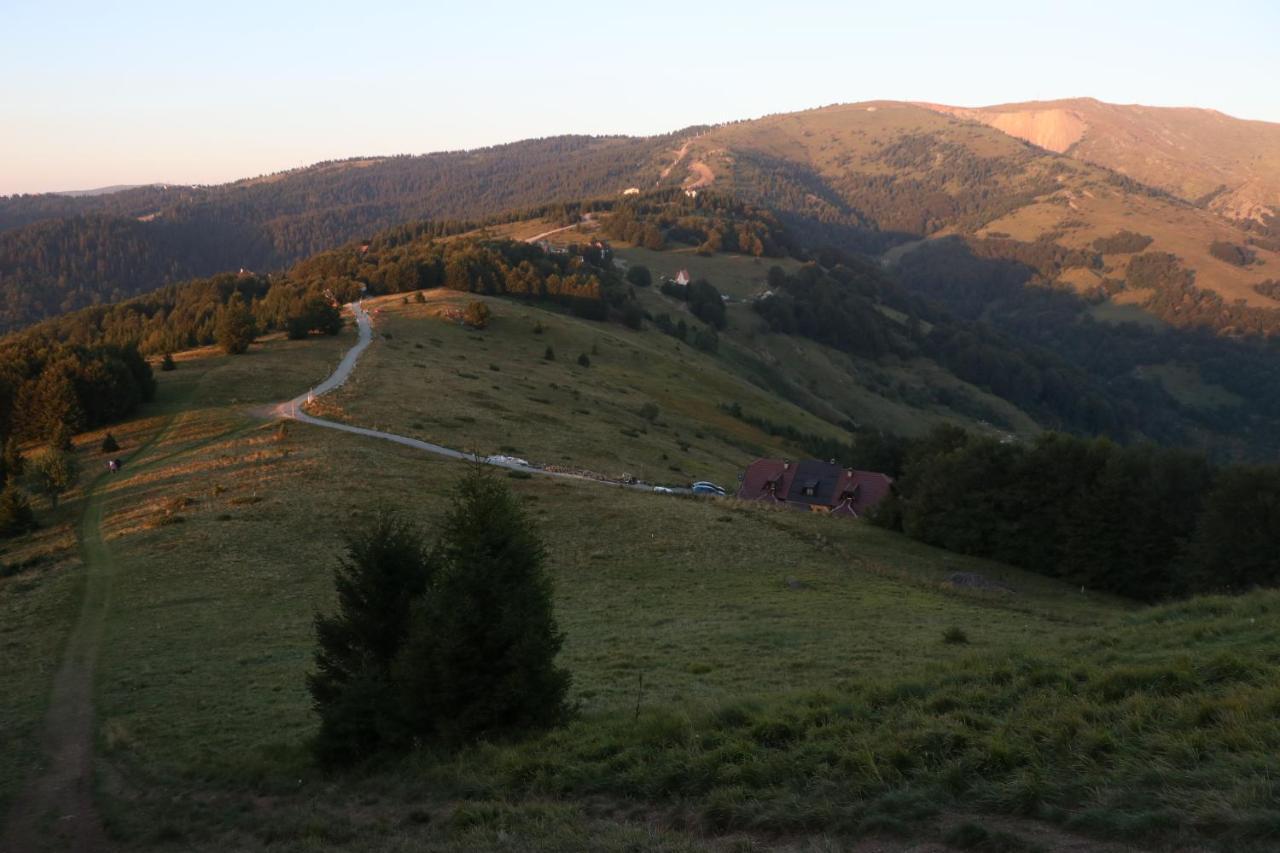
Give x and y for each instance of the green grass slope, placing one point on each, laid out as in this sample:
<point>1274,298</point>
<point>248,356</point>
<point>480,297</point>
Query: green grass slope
<point>747,677</point>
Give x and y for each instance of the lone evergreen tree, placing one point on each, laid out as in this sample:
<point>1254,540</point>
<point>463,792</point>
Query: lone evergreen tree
<point>16,516</point>
<point>584,360</point>
<point>550,354</point>
<point>167,363</point>
<point>109,443</point>
<point>482,645</point>
<point>235,329</point>
<point>387,566</point>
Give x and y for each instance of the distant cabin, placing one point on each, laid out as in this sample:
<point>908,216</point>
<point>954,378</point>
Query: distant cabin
<point>631,191</point>
<point>682,278</point>
<point>815,486</point>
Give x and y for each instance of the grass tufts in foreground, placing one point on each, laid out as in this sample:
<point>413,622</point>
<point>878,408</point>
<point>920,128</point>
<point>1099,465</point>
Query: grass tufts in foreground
<point>1141,742</point>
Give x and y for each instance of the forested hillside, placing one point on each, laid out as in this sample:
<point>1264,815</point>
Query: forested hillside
<point>1038,349</point>
<point>103,248</point>
<point>878,177</point>
<point>872,178</point>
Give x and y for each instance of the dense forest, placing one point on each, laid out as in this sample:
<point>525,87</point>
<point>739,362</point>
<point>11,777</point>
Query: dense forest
<point>1141,521</point>
<point>1003,295</point>
<point>59,253</point>
<point>711,221</point>
<point>49,388</point>
<point>839,304</point>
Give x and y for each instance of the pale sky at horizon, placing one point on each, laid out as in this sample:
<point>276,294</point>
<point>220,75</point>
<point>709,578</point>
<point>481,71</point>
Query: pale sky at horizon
<point>97,94</point>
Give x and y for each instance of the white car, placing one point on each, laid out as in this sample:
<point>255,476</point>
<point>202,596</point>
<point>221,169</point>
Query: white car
<point>507,460</point>
<point>663,490</point>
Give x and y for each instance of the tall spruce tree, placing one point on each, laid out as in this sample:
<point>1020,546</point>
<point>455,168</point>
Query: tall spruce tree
<point>481,654</point>
<point>387,566</point>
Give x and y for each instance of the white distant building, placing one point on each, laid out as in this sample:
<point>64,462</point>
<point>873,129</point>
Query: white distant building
<point>631,191</point>
<point>682,278</point>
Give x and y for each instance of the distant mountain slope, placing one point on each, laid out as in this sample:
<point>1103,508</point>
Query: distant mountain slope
<point>1141,213</point>
<point>881,175</point>
<point>108,246</point>
<point>1198,155</point>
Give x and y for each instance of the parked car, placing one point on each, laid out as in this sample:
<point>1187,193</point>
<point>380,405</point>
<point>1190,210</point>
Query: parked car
<point>703,487</point>
<point>663,490</point>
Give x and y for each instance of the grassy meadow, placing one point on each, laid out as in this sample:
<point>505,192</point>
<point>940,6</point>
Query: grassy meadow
<point>746,677</point>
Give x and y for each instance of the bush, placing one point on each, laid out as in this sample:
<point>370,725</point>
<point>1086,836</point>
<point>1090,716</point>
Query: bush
<point>640,276</point>
<point>16,516</point>
<point>955,636</point>
<point>649,411</point>
<point>1122,243</point>
<point>419,297</point>
<point>297,327</point>
<point>477,315</point>
<point>167,363</point>
<point>706,304</point>
<point>1239,256</point>
<point>584,360</point>
<point>109,444</point>
<point>550,354</point>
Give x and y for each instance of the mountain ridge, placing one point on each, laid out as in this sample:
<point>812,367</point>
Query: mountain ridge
<point>868,176</point>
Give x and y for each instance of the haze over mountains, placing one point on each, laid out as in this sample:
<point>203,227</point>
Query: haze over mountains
<point>863,176</point>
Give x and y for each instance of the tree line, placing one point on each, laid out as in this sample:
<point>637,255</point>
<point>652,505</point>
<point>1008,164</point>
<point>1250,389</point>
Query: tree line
<point>48,386</point>
<point>1140,521</point>
<point>60,253</point>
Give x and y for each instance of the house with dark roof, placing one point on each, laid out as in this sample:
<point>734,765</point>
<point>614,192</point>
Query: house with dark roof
<point>815,486</point>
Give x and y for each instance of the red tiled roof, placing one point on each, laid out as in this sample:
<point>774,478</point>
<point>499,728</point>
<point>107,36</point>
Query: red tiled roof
<point>850,492</point>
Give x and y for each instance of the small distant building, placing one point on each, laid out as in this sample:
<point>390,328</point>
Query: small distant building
<point>631,191</point>
<point>682,278</point>
<point>815,486</point>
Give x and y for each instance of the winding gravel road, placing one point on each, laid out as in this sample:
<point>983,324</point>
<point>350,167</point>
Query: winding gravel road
<point>293,410</point>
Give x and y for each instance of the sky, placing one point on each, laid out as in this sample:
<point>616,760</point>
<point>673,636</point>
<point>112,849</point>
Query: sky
<point>102,93</point>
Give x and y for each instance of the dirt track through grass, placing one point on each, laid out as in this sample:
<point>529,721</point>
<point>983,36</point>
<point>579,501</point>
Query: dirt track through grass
<point>56,810</point>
